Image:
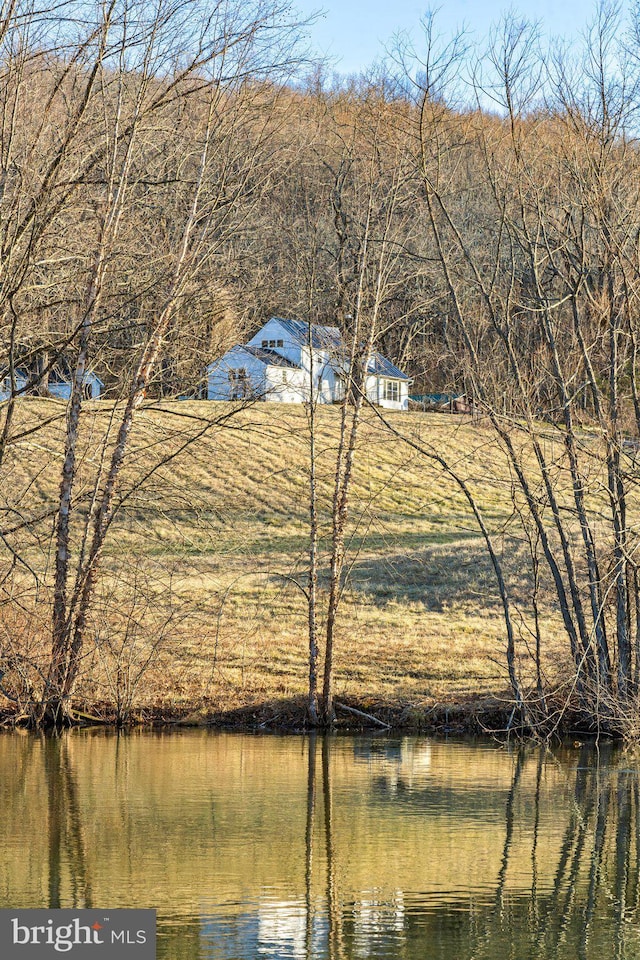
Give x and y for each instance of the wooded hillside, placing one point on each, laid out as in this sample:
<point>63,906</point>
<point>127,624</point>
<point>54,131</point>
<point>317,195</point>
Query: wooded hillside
<point>173,175</point>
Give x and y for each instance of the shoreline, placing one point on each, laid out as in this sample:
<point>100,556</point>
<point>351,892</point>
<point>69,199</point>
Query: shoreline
<point>486,716</point>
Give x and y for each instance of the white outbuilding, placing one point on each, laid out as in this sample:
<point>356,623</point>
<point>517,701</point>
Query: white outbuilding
<point>58,384</point>
<point>289,361</point>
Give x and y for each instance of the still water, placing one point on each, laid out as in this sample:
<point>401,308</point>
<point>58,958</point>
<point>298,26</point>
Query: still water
<point>339,848</point>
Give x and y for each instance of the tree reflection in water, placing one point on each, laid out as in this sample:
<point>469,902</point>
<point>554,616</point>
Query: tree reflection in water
<point>590,910</point>
<point>592,907</point>
<point>327,848</point>
<point>67,848</point>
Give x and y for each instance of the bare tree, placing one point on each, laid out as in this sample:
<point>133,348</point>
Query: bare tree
<point>370,204</point>
<point>540,268</point>
<point>163,120</point>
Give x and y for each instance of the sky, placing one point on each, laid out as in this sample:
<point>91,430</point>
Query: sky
<point>353,33</point>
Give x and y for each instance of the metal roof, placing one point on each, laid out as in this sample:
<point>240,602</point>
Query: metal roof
<point>381,367</point>
<point>330,338</point>
<point>322,338</point>
<point>270,357</point>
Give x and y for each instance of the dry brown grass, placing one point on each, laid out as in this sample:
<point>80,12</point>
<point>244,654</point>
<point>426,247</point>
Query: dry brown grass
<point>201,598</point>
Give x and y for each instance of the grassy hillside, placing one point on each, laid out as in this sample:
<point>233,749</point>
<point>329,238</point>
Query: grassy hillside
<point>201,597</point>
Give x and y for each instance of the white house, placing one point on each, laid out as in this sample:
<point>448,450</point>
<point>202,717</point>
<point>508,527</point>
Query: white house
<point>58,385</point>
<point>287,361</point>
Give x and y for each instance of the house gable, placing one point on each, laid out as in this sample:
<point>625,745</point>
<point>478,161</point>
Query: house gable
<point>274,336</point>
<point>290,339</point>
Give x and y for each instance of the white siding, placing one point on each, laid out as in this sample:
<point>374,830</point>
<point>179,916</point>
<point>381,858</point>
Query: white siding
<point>59,389</point>
<point>331,386</point>
<point>376,393</point>
<point>327,387</point>
<point>62,388</point>
<point>94,384</point>
<point>286,385</point>
<point>222,374</point>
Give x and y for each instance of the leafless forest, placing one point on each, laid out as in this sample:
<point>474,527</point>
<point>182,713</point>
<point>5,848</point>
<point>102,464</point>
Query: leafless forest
<point>174,173</point>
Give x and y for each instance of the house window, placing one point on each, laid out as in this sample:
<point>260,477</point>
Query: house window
<point>265,343</point>
<point>239,383</point>
<point>280,343</point>
<point>284,376</point>
<point>391,390</point>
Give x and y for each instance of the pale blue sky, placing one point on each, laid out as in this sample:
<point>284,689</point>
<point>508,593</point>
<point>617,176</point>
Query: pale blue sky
<point>353,32</point>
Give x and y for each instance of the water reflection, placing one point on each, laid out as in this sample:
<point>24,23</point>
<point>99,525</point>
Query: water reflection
<point>66,847</point>
<point>330,848</point>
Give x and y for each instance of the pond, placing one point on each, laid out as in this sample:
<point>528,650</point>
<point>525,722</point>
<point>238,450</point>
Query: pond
<point>341,848</point>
